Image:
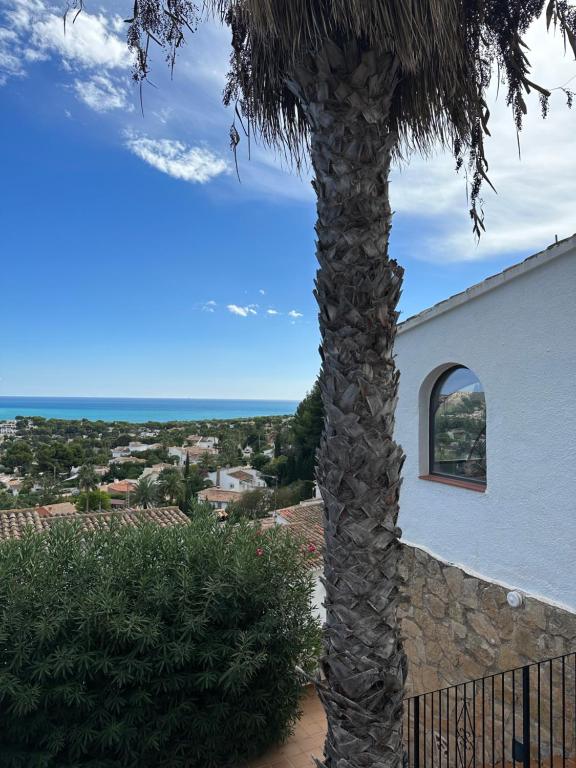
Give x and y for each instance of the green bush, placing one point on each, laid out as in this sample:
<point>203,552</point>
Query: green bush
<point>150,647</point>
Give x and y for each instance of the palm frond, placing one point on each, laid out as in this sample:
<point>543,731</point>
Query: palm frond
<point>448,51</point>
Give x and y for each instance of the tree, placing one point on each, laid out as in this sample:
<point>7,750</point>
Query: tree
<point>145,493</point>
<point>192,483</point>
<point>259,460</point>
<point>252,505</point>
<point>18,455</point>
<point>361,84</point>
<point>87,481</point>
<point>170,485</point>
<point>92,500</point>
<point>307,427</point>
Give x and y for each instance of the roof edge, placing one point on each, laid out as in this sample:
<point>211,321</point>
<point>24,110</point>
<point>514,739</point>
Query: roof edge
<point>550,253</point>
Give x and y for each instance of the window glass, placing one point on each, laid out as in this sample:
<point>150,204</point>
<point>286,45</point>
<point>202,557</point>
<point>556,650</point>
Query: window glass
<point>458,426</point>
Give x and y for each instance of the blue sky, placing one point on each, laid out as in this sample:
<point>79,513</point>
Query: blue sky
<point>132,261</point>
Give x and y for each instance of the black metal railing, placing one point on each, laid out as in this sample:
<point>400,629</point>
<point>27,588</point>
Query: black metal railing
<point>521,717</point>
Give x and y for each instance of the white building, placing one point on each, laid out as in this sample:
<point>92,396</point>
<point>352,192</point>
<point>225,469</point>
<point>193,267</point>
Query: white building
<point>237,479</point>
<point>207,443</point>
<point>218,498</point>
<point>120,451</point>
<point>138,447</point>
<point>134,447</point>
<point>503,352</point>
<point>8,428</point>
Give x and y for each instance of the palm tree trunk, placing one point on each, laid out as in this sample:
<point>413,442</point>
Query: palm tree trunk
<point>347,94</point>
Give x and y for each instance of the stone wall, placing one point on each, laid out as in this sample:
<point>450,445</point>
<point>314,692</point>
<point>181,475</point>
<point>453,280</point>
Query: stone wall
<point>459,627</point>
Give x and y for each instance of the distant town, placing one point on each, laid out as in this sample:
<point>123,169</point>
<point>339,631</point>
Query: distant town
<point>239,467</point>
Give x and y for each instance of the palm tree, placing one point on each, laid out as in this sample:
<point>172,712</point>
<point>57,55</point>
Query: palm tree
<point>360,84</point>
<point>87,481</point>
<point>145,493</point>
<point>170,485</point>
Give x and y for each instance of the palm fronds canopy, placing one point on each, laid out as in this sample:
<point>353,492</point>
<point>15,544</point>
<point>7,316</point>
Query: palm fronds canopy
<point>448,51</point>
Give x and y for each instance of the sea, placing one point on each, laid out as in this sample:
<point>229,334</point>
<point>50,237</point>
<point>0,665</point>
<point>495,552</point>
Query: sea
<point>141,409</point>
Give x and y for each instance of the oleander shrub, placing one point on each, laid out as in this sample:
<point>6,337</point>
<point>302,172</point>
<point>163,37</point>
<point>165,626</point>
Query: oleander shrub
<point>151,647</point>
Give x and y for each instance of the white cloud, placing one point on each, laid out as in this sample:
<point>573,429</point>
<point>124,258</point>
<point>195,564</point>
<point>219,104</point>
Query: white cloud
<point>101,94</point>
<point>295,314</point>
<point>87,42</point>
<point>535,194</point>
<point>194,164</point>
<point>262,292</point>
<point>33,31</point>
<point>10,62</point>
<point>272,312</point>
<point>209,306</point>
<point>242,311</point>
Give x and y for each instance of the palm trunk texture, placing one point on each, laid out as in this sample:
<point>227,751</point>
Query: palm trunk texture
<point>346,94</point>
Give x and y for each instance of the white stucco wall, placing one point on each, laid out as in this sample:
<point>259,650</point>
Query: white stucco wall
<point>520,339</point>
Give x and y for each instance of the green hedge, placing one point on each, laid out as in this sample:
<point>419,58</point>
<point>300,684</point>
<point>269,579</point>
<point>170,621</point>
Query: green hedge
<point>150,647</point>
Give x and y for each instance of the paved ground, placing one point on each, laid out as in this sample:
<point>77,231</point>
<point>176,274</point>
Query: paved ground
<point>308,740</point>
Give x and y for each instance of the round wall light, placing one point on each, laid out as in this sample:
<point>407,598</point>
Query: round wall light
<point>515,599</point>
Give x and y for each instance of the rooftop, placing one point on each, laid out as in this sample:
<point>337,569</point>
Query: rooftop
<point>65,508</point>
<point>306,520</point>
<point>241,474</point>
<point>14,522</point>
<point>122,486</point>
<point>217,494</point>
<point>494,281</point>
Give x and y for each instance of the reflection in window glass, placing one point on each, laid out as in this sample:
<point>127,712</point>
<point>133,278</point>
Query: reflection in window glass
<point>458,426</point>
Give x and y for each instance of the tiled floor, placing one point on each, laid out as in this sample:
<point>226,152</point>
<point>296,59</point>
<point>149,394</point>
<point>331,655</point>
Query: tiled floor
<point>308,739</point>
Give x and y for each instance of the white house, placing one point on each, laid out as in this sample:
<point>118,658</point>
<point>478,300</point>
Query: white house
<point>138,447</point>
<point>218,498</point>
<point>8,428</point>
<point>237,479</point>
<point>120,451</point>
<point>487,420</point>
<point>207,443</point>
<point>134,447</point>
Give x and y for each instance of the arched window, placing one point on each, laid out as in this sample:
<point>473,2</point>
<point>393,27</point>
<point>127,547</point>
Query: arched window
<point>458,426</point>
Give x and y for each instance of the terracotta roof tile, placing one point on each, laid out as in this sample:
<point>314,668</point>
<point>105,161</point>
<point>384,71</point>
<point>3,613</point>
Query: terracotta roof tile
<point>306,520</point>
<point>241,474</point>
<point>217,494</point>
<point>14,522</point>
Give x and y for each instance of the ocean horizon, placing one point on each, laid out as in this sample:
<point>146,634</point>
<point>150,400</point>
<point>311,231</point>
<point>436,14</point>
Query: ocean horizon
<point>141,409</point>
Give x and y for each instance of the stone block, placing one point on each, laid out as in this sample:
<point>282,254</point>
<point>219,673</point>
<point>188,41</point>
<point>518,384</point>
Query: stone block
<point>436,607</point>
<point>482,625</point>
<point>454,579</point>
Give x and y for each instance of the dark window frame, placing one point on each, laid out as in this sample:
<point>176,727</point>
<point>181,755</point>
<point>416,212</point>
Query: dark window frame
<point>438,384</point>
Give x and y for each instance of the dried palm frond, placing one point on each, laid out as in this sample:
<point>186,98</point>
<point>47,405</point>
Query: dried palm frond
<point>448,52</point>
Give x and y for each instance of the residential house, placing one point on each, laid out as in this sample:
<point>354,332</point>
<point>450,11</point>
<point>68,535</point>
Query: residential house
<point>218,498</point>
<point>121,487</point>
<point>208,443</point>
<point>127,460</point>
<point>193,453</point>
<point>487,421</point>
<point>8,428</point>
<point>120,451</point>
<point>134,447</point>
<point>137,447</point>
<point>237,479</point>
